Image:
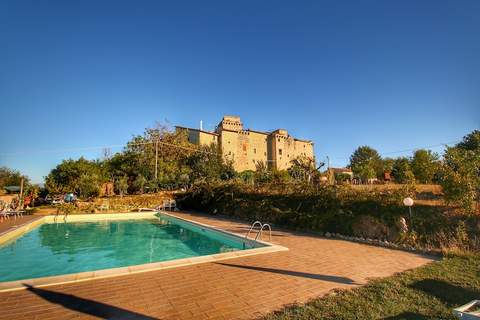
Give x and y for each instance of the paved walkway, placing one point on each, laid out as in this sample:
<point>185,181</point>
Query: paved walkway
<point>12,222</point>
<point>241,288</point>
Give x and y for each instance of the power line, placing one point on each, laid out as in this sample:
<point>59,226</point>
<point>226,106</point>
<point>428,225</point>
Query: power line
<point>29,152</point>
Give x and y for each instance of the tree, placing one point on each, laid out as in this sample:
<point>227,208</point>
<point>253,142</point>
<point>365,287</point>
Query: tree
<point>88,185</point>
<point>304,169</point>
<point>471,141</point>
<point>460,173</point>
<point>262,173</point>
<point>401,171</point>
<point>139,183</point>
<point>10,177</point>
<point>388,164</point>
<point>366,163</point>
<point>207,164</point>
<point>159,150</point>
<point>424,165</point>
<point>342,177</point>
<point>247,176</point>
<point>71,175</point>
<point>121,184</point>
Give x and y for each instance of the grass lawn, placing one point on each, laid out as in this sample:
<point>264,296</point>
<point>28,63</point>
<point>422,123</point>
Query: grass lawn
<point>429,292</point>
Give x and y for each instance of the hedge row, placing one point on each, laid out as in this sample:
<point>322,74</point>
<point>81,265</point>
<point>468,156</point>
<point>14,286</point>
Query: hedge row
<point>336,210</point>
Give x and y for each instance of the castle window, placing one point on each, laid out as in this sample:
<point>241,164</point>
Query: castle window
<point>254,150</point>
<point>229,153</point>
<point>280,151</point>
<point>264,153</point>
<point>244,148</point>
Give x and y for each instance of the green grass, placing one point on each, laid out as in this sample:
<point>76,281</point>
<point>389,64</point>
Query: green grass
<point>429,292</point>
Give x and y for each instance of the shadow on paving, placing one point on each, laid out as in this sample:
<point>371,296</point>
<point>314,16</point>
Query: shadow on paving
<point>315,276</point>
<point>447,293</point>
<point>86,306</point>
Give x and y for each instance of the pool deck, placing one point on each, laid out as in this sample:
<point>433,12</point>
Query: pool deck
<point>240,288</point>
<point>13,223</point>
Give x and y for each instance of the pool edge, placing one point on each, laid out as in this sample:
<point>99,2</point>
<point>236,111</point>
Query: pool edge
<point>128,270</point>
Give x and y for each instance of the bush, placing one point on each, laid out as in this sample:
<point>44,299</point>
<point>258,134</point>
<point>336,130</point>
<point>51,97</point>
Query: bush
<point>334,209</point>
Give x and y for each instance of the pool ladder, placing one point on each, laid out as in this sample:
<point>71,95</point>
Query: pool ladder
<point>259,234</point>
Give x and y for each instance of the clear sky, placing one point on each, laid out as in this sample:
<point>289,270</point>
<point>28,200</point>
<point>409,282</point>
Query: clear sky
<point>394,75</point>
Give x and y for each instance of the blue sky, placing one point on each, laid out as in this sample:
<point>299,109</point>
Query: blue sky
<point>394,75</point>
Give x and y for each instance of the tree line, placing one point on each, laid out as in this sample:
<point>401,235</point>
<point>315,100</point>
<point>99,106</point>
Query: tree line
<point>423,167</point>
<point>161,158</point>
<point>458,171</point>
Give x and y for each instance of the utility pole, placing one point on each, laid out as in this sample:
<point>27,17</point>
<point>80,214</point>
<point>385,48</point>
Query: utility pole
<point>20,200</point>
<point>156,159</point>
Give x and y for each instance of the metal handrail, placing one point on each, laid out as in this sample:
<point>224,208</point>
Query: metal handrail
<point>269,232</point>
<point>253,226</point>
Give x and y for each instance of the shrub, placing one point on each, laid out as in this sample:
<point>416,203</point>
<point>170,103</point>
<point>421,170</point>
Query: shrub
<point>337,209</point>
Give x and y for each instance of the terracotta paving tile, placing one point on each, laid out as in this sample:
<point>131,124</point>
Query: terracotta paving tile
<point>238,288</point>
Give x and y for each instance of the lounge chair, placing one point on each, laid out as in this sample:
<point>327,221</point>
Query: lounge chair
<point>168,204</point>
<point>105,206</point>
<point>7,212</point>
<point>3,212</point>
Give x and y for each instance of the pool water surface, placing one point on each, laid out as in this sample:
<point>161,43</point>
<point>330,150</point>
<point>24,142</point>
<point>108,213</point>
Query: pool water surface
<point>72,247</point>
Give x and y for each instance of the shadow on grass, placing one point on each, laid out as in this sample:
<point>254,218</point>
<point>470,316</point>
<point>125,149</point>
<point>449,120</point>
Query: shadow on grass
<point>86,306</point>
<point>449,294</point>
<point>315,276</point>
<point>407,316</point>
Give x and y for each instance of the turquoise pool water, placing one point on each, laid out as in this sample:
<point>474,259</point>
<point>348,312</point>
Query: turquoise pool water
<point>63,248</point>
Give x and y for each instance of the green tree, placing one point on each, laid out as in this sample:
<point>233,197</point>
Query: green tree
<point>160,148</point>
<point>424,165</point>
<point>262,173</point>
<point>460,173</point>
<point>88,185</point>
<point>471,141</point>
<point>366,163</point>
<point>10,177</point>
<point>139,183</point>
<point>402,171</point>
<point>70,174</point>
<point>207,164</point>
<point>342,177</point>
<point>388,164</point>
<point>121,184</point>
<point>247,176</point>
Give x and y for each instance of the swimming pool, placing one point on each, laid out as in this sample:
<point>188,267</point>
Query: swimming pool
<point>53,249</point>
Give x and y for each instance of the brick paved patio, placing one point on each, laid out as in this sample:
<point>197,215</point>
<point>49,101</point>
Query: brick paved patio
<point>12,222</point>
<point>241,288</point>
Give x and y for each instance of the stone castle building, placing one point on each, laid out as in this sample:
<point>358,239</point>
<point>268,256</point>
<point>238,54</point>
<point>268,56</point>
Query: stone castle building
<point>247,147</point>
